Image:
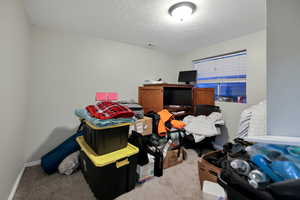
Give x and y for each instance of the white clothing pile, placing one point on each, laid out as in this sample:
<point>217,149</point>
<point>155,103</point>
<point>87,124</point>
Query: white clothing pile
<point>203,126</point>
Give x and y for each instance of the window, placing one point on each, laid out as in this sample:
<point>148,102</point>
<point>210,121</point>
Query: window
<point>226,73</point>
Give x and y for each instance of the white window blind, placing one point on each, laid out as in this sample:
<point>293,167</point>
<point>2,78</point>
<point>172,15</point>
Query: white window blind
<point>226,73</point>
<point>229,66</point>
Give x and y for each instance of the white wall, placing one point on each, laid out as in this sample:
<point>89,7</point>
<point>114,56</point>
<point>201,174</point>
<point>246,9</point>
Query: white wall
<point>69,69</point>
<point>283,45</point>
<point>14,63</point>
<point>255,44</point>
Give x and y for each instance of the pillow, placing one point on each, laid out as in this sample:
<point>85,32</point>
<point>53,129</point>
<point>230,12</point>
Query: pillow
<point>69,164</point>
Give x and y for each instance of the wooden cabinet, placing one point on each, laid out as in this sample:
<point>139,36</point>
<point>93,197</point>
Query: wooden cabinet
<point>151,98</point>
<point>203,96</point>
<point>160,96</point>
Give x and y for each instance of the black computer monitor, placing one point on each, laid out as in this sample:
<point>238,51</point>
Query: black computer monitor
<point>187,76</point>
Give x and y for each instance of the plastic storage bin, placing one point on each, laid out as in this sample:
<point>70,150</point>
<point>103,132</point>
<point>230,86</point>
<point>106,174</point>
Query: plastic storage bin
<point>105,140</point>
<point>109,175</point>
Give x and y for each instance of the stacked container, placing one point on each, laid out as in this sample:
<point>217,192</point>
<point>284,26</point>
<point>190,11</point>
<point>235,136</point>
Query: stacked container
<point>106,139</point>
<point>108,162</point>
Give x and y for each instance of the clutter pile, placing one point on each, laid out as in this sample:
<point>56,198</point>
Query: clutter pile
<point>117,146</point>
<point>162,148</point>
<point>258,171</point>
<point>108,162</point>
<point>101,149</point>
<point>102,115</point>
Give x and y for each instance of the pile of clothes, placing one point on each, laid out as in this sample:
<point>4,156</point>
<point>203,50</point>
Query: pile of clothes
<point>203,126</point>
<point>106,114</point>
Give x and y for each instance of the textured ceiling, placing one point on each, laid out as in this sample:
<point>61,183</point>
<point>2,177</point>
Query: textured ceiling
<point>141,21</point>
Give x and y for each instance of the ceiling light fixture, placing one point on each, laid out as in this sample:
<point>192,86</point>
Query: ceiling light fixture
<point>182,10</point>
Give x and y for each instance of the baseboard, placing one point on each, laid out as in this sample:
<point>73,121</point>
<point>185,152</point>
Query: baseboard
<point>16,184</point>
<point>32,163</point>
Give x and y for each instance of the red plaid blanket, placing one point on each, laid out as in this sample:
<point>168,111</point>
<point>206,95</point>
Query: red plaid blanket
<point>109,110</point>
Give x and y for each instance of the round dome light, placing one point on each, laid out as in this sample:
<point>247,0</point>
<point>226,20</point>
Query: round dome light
<point>182,10</point>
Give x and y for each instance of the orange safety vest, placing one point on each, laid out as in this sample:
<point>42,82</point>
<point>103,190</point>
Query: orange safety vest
<point>166,116</point>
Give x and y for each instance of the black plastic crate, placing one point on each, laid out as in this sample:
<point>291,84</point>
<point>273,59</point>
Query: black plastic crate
<point>105,140</point>
<point>111,175</point>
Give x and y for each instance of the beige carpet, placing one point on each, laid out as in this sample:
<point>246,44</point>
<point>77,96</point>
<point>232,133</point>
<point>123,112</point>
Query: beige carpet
<point>178,183</point>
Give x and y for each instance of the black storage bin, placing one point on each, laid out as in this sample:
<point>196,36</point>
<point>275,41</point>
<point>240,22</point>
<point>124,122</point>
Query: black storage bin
<point>110,175</point>
<point>107,139</point>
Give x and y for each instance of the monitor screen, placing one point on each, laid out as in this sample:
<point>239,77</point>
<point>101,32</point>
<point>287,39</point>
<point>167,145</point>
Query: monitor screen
<point>187,76</point>
<point>177,96</point>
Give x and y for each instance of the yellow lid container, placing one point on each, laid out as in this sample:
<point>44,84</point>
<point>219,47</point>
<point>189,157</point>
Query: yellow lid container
<point>106,159</point>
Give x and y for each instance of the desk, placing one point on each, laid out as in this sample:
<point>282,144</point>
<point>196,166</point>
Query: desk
<point>164,96</point>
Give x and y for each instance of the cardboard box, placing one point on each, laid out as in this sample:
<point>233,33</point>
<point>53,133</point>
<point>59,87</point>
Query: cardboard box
<point>174,157</point>
<point>206,170</point>
<point>143,126</point>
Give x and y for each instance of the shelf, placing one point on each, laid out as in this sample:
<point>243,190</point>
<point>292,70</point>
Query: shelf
<point>176,109</point>
<point>183,114</point>
<point>283,140</point>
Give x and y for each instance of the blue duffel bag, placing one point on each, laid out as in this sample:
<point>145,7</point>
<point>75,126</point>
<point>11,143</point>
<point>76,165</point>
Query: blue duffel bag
<point>51,160</point>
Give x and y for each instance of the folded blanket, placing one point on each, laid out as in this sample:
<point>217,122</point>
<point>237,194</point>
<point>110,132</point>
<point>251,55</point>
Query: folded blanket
<point>109,110</point>
<point>83,114</point>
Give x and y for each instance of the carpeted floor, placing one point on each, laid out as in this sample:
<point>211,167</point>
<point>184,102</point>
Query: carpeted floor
<point>178,183</point>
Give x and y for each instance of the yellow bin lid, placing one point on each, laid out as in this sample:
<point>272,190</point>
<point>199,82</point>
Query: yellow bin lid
<point>106,159</point>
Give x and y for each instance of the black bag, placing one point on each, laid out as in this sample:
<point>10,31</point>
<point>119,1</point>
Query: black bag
<point>285,190</point>
<point>143,143</point>
<point>137,140</point>
<point>158,161</point>
<point>238,188</point>
<point>155,120</point>
<point>203,109</point>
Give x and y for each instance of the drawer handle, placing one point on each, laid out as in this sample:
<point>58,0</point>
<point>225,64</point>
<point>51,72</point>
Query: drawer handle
<point>122,163</point>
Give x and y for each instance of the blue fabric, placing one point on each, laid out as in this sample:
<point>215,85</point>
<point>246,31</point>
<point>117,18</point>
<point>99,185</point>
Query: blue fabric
<point>83,113</point>
<point>51,160</point>
<point>285,152</point>
<point>286,169</point>
<point>263,164</point>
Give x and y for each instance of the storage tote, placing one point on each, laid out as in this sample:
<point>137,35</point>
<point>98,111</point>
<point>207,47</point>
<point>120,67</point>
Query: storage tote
<point>107,139</point>
<point>109,175</point>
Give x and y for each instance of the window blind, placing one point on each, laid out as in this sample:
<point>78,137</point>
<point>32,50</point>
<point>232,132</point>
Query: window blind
<point>228,66</point>
<point>225,73</point>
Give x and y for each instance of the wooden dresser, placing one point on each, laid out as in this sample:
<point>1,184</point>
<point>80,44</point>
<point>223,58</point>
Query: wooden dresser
<point>174,97</point>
